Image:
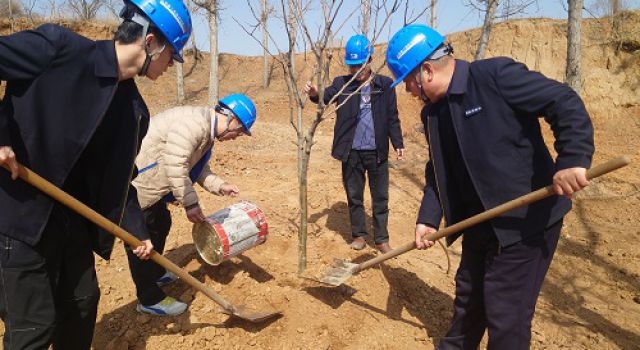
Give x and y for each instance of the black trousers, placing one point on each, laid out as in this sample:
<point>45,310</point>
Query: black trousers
<point>497,289</point>
<point>353,178</point>
<point>145,273</point>
<point>49,293</point>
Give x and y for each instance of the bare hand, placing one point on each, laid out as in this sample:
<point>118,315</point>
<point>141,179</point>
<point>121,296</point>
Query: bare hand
<point>195,214</point>
<point>229,190</point>
<point>144,251</point>
<point>568,181</point>
<point>421,231</point>
<point>8,159</point>
<point>310,90</point>
<point>400,153</point>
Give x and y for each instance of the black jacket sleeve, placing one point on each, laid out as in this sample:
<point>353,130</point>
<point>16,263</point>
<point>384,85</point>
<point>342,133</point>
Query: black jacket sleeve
<point>23,56</point>
<point>430,212</point>
<point>5,139</point>
<point>395,131</point>
<point>533,93</point>
<point>330,91</point>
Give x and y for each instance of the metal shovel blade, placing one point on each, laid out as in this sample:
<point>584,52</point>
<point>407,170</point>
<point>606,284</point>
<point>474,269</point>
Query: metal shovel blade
<point>341,272</point>
<point>242,312</point>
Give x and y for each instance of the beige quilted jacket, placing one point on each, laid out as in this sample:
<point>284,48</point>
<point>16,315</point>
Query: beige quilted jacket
<point>176,140</point>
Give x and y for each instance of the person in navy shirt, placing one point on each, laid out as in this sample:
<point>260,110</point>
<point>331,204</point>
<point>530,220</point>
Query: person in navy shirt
<point>365,123</point>
<point>481,122</point>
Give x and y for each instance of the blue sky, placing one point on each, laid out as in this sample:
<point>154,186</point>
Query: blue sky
<point>453,16</point>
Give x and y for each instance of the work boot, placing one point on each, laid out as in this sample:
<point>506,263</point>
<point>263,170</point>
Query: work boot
<point>384,247</point>
<point>168,278</point>
<point>358,243</point>
<point>167,307</point>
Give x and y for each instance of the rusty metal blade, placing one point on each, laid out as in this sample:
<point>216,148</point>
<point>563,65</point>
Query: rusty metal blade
<point>341,271</point>
<point>242,312</point>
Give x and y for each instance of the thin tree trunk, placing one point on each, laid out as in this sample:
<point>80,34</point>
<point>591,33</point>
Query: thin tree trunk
<point>52,4</point>
<point>366,16</point>
<point>11,16</point>
<point>303,167</point>
<point>180,83</point>
<point>433,13</point>
<point>489,16</point>
<point>292,29</point>
<point>196,51</point>
<point>573,44</point>
<point>213,39</point>
<point>615,17</point>
<point>193,8</point>
<point>265,42</point>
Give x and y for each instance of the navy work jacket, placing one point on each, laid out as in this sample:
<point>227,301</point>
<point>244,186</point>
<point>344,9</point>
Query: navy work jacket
<point>384,108</point>
<point>495,106</point>
<point>60,86</point>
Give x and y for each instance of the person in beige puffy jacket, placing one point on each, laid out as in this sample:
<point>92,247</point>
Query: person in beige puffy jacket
<point>175,155</point>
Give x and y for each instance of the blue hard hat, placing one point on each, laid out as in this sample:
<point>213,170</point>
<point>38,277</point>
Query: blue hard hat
<point>409,47</point>
<point>242,107</point>
<point>358,50</point>
<point>172,18</point>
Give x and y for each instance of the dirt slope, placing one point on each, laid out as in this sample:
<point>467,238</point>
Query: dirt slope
<point>591,297</point>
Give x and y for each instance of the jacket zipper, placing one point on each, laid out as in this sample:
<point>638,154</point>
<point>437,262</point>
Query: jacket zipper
<point>435,173</point>
<point>133,167</point>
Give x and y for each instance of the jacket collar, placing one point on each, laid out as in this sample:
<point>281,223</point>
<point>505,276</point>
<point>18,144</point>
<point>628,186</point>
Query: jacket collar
<point>106,61</point>
<point>459,79</point>
<point>375,82</point>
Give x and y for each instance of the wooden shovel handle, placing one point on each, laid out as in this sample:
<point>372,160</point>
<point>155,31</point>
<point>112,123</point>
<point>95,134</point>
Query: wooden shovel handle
<point>542,193</point>
<point>50,189</point>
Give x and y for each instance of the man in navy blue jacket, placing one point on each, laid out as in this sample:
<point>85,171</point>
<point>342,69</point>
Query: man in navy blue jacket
<point>72,113</point>
<point>366,121</point>
<point>482,126</point>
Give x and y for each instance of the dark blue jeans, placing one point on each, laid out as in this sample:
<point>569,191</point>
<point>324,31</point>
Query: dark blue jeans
<point>497,289</point>
<point>353,177</point>
<point>49,292</point>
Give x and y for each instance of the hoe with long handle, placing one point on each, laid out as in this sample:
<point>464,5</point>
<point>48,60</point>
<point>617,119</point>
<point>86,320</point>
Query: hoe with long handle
<point>47,187</point>
<point>343,270</point>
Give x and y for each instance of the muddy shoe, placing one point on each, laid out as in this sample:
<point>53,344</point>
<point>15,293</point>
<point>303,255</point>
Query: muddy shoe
<point>167,307</point>
<point>358,243</point>
<point>384,247</point>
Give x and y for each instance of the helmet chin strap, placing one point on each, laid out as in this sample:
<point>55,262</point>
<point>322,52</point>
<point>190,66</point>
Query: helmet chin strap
<point>134,16</point>
<point>226,130</point>
<point>151,56</point>
<point>214,128</point>
<point>147,62</point>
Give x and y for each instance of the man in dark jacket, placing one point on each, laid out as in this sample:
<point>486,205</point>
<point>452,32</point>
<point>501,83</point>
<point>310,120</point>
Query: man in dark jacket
<point>72,113</point>
<point>486,148</point>
<point>365,123</point>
